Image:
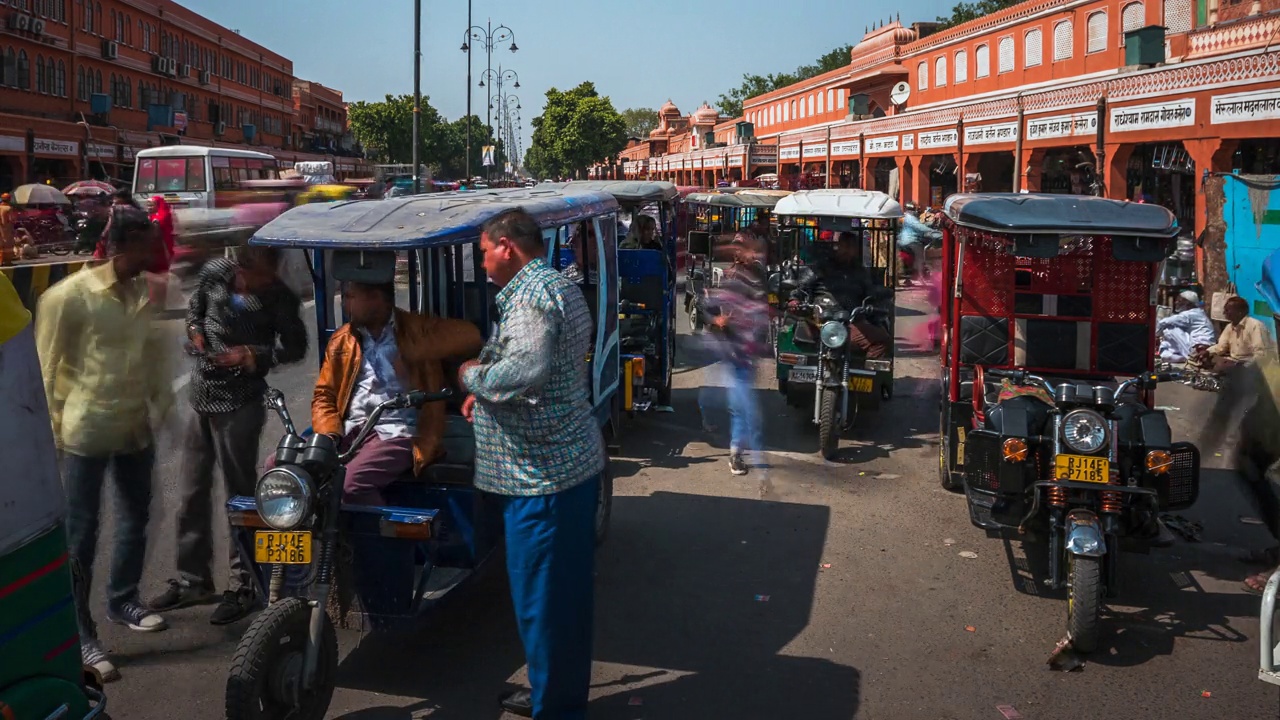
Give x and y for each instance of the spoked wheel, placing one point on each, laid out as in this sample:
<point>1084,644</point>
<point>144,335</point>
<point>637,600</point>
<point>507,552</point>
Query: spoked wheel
<point>266,673</point>
<point>1084,601</point>
<point>604,506</point>
<point>828,423</point>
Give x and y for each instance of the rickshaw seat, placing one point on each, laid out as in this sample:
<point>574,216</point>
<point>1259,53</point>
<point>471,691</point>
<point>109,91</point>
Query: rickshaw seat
<point>458,464</point>
<point>1025,414</point>
<point>984,340</point>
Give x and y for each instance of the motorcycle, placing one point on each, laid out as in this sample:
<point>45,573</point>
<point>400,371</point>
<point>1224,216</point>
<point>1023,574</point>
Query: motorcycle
<point>287,660</point>
<point>1088,464</point>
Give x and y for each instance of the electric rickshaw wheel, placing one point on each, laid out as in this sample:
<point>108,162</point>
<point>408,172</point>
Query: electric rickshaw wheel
<point>1084,601</point>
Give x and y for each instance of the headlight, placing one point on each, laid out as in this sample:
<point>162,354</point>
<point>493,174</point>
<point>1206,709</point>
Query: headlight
<point>834,335</point>
<point>284,497</point>
<point>1084,431</point>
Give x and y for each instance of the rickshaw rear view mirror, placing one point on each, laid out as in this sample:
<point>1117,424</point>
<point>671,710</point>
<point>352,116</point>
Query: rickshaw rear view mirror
<point>699,242</point>
<point>367,267</point>
<point>1140,249</point>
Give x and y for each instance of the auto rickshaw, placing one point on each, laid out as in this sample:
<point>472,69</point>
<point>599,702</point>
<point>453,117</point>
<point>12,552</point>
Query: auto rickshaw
<point>647,293</point>
<point>391,564</point>
<point>1049,305</point>
<point>815,364</point>
<point>331,192</point>
<point>41,675</point>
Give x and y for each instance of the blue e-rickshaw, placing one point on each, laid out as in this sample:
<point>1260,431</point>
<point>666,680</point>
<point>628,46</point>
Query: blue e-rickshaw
<point>394,562</point>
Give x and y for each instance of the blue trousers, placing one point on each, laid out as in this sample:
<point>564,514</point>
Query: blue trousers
<point>551,564</point>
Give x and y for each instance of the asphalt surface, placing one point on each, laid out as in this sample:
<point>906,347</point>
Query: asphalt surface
<point>805,589</point>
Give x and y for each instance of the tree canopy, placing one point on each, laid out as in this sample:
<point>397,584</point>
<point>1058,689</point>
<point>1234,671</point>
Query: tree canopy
<point>731,102</point>
<point>966,11</point>
<point>577,128</point>
<point>385,129</point>
<point>640,121</point>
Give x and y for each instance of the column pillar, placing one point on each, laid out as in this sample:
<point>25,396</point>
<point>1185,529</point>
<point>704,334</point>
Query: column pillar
<point>1209,155</point>
<point>905,177</point>
<point>922,169</point>
<point>1031,167</point>
<point>1116,170</point>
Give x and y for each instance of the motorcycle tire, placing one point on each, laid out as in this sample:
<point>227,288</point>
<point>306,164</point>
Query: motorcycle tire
<point>257,687</point>
<point>604,506</point>
<point>695,321</point>
<point>828,423</point>
<point>664,392</point>
<point>1084,601</point>
<point>58,249</point>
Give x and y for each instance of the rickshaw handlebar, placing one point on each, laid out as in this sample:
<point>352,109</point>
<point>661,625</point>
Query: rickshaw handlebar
<point>1022,377</point>
<point>402,401</point>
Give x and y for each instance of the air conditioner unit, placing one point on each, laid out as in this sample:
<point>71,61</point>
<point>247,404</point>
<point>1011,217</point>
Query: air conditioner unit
<point>20,21</point>
<point>204,77</point>
<point>110,49</point>
<point>185,71</point>
<point>37,27</point>
<point>172,68</point>
<point>159,64</point>
<point>219,128</point>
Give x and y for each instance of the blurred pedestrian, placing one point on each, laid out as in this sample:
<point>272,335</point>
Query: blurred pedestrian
<point>8,246</point>
<point>242,321</point>
<point>162,216</point>
<point>122,200</point>
<point>539,449</point>
<point>739,335</point>
<point>103,360</point>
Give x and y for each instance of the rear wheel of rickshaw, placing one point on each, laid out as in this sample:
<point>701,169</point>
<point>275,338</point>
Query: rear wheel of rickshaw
<point>664,392</point>
<point>266,673</point>
<point>828,423</point>
<point>1084,601</point>
<point>604,505</point>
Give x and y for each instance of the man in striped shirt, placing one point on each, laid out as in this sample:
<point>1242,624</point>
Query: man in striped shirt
<point>540,450</point>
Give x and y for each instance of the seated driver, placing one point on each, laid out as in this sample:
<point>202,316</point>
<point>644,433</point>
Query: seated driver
<point>844,276</point>
<point>1245,339</point>
<point>384,351</point>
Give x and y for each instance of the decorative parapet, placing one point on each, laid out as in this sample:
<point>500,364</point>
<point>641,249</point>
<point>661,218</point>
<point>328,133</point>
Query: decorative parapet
<point>1230,37</point>
<point>985,23</point>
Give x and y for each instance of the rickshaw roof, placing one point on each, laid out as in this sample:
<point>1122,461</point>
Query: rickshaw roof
<point>742,200</point>
<point>848,203</point>
<point>417,221</point>
<point>1044,213</point>
<point>765,192</point>
<point>627,192</point>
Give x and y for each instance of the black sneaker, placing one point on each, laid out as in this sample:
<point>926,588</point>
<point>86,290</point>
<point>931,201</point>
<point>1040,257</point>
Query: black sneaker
<point>234,606</point>
<point>134,616</point>
<point>179,595</point>
<point>737,464</point>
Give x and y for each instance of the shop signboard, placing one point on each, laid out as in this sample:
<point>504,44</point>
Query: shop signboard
<point>735,161</point>
<point>987,134</point>
<point>57,147</point>
<point>848,147</point>
<point>12,143</point>
<point>789,153</point>
<point>764,159</point>
<point>909,141</point>
<point>938,139</point>
<point>1083,125</point>
<point>882,145</point>
<point>815,150</point>
<point>1245,107</point>
<point>1155,116</point>
<point>98,150</point>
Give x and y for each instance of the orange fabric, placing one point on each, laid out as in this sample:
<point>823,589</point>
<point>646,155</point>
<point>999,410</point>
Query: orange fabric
<point>424,342</point>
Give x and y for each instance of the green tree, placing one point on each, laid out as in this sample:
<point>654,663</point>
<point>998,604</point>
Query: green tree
<point>454,163</point>
<point>640,121</point>
<point>577,127</point>
<point>966,11</point>
<point>752,85</point>
<point>385,129</point>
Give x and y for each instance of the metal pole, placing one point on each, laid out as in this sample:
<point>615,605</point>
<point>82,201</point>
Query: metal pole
<point>488,46</point>
<point>466,175</point>
<point>417,90</point>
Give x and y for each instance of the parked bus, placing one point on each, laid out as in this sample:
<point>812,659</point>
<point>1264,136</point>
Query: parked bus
<point>191,176</point>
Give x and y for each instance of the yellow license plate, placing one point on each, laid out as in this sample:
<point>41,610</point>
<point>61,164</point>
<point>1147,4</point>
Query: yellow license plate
<point>860,384</point>
<point>1080,468</point>
<point>773,298</point>
<point>282,548</point>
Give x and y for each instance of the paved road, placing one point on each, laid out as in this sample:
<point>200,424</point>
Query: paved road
<point>823,591</point>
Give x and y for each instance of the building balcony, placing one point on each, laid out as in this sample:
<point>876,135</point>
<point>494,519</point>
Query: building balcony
<point>1233,36</point>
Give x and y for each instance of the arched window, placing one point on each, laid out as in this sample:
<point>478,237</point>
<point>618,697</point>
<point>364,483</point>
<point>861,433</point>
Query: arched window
<point>40,86</point>
<point>62,79</point>
<point>786,112</point>
<point>822,108</point>
<point>1063,42</point>
<point>810,104</point>
<point>114,91</point>
<point>794,116</point>
<point>962,66</point>
<point>922,76</point>
<point>831,100</point>
<point>142,96</point>
<point>1132,17</point>
<point>24,70</point>
<point>982,59</point>
<point>1005,54</point>
<point>128,30</point>
<point>89,14</point>
<point>97,19</point>
<point>97,81</point>
<point>119,27</point>
<point>1032,48</point>
<point>1096,26</point>
<point>82,90</point>
<point>940,72</point>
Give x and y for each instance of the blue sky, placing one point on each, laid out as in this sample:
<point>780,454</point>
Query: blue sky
<point>637,53</point>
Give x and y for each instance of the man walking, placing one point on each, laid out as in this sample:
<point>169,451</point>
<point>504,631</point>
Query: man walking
<point>102,357</point>
<point>234,319</point>
<point>540,450</point>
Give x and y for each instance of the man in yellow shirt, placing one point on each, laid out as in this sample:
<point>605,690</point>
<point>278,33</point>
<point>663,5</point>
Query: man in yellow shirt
<point>1244,339</point>
<point>103,363</point>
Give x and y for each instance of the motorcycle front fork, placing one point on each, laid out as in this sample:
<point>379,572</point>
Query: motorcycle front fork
<point>324,578</point>
<point>827,366</point>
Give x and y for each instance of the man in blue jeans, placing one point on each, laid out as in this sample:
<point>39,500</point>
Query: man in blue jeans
<point>739,331</point>
<point>540,450</point>
<point>102,356</point>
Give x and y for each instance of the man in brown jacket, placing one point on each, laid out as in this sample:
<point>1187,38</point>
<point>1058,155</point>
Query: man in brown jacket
<point>381,352</point>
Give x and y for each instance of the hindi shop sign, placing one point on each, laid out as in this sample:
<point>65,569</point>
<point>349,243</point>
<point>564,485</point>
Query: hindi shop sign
<point>850,147</point>
<point>1245,107</point>
<point>987,134</point>
<point>764,159</point>
<point>12,143</point>
<point>98,150</point>
<point>815,150</point>
<point>1156,116</point>
<point>909,141</point>
<point>1060,126</point>
<point>789,153</point>
<point>882,144</point>
<point>56,147</point>
<point>938,139</point>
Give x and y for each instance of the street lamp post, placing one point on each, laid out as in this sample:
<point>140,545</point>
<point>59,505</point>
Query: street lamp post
<point>489,37</point>
<point>501,77</point>
<point>417,90</point>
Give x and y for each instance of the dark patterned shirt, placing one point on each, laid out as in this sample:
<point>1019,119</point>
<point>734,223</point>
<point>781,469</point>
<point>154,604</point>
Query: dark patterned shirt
<point>227,320</point>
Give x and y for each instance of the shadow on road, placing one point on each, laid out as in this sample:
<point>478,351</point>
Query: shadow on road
<point>696,598</point>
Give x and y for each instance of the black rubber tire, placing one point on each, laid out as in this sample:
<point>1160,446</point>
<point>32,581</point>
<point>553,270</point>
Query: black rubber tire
<point>948,478</point>
<point>886,390</point>
<point>604,506</point>
<point>664,392</point>
<point>828,423</point>
<point>1084,601</point>
<point>278,632</point>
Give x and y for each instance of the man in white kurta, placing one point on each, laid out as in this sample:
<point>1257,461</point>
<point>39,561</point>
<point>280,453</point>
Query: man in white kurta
<point>1181,332</point>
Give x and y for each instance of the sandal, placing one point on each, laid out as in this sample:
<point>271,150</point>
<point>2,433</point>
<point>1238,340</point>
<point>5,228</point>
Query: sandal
<point>1256,584</point>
